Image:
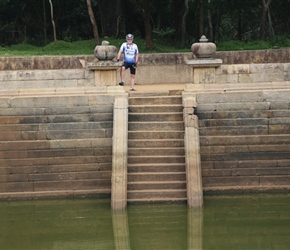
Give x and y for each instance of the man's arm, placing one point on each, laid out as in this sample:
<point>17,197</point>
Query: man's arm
<point>137,58</point>
<point>120,52</point>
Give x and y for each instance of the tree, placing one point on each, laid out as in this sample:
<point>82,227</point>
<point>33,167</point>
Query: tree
<point>143,7</point>
<point>265,11</point>
<point>52,20</point>
<point>183,24</point>
<point>201,18</point>
<point>110,17</point>
<point>93,21</point>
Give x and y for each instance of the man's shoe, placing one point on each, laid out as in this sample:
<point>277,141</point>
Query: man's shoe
<point>132,89</point>
<point>121,83</point>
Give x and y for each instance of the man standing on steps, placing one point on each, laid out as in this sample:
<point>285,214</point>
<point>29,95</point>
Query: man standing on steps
<point>131,56</point>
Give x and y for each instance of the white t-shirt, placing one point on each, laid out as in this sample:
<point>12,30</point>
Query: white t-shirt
<point>130,52</point>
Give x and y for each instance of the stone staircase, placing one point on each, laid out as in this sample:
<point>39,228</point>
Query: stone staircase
<point>156,159</point>
<point>245,140</point>
<point>55,144</point>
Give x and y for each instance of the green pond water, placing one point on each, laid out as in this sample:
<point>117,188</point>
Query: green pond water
<point>226,222</point>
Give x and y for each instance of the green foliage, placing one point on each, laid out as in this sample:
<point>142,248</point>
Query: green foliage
<point>239,45</point>
<point>281,41</point>
<point>86,47</point>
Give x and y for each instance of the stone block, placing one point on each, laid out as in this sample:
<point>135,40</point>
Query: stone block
<point>268,68</point>
<point>231,181</point>
<point>69,185</point>
<point>16,187</point>
<point>279,129</point>
<point>234,69</point>
<point>233,97</point>
<point>245,78</point>
<point>281,95</point>
<point>274,180</point>
<point>204,75</point>
<point>216,172</point>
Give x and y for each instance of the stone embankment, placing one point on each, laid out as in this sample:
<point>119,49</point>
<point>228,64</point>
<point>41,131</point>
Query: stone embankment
<point>57,124</point>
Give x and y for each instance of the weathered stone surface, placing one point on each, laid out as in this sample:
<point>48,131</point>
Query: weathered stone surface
<point>105,51</point>
<point>120,152</point>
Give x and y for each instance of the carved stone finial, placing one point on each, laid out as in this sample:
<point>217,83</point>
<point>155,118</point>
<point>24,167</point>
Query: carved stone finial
<point>105,51</point>
<point>203,49</point>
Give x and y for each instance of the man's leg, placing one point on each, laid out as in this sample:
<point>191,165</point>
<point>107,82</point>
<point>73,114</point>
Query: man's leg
<point>132,76</point>
<point>122,75</point>
<point>132,81</point>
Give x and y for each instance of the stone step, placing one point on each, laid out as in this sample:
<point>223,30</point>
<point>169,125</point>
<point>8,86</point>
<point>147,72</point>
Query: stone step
<point>27,169</point>
<point>245,149</point>
<point>42,153</point>
<point>156,159</point>
<point>56,118</point>
<point>285,114</point>
<point>168,185</point>
<point>161,195</point>
<point>35,177</point>
<point>144,126</point>
<point>244,139</point>
<point>233,122</point>
<point>155,135</point>
<point>234,130</point>
<point>243,156</point>
<point>244,96</point>
<point>247,183</point>
<point>155,143</point>
<point>237,163</point>
<point>23,111</point>
<point>273,115</point>
<point>161,90</point>
<point>238,87</point>
<point>51,186</point>
<point>234,106</point>
<point>157,200</point>
<point>27,89</point>
<point>155,109</point>
<point>58,144</point>
<point>65,160</point>
<point>242,114</point>
<point>147,167</point>
<point>151,117</point>
<point>273,171</point>
<point>56,134</point>
<point>56,126</point>
<point>163,176</point>
<point>155,100</point>
<point>245,122</point>
<point>56,101</point>
<point>155,151</point>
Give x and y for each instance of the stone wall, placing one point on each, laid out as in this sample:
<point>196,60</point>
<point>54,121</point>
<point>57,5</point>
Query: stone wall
<point>238,67</point>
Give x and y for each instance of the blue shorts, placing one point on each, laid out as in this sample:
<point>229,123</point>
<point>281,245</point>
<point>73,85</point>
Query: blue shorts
<point>131,66</point>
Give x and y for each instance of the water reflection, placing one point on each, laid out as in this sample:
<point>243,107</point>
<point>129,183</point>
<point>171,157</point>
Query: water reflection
<point>257,222</point>
<point>121,230</point>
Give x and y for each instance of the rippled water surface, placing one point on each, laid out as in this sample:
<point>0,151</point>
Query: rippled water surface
<point>249,222</point>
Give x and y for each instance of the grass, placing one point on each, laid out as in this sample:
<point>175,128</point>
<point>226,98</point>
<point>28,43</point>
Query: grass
<point>86,47</point>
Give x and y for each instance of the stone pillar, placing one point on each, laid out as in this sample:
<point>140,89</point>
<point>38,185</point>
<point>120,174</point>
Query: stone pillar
<point>106,72</point>
<point>121,230</point>
<point>204,70</point>
<point>120,148</point>
<point>204,66</point>
<point>105,68</point>
<point>192,152</point>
